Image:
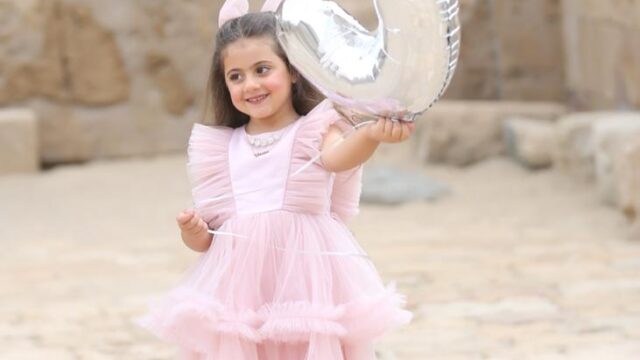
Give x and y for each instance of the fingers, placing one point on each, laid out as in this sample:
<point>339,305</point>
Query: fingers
<point>184,217</point>
<point>391,131</point>
<point>397,131</point>
<point>189,221</point>
<point>384,129</point>
<point>388,127</point>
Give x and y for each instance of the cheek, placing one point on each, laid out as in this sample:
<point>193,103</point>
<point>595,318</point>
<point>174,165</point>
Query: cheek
<point>278,83</point>
<point>236,94</point>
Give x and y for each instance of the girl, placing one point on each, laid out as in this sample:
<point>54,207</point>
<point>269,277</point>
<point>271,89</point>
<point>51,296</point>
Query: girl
<point>281,277</point>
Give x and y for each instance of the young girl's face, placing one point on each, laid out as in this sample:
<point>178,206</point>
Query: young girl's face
<point>258,80</point>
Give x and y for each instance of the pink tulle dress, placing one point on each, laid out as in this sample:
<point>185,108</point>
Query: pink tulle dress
<point>284,278</point>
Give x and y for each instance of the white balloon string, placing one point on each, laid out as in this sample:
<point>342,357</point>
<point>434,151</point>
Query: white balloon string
<point>319,155</point>
<point>222,233</point>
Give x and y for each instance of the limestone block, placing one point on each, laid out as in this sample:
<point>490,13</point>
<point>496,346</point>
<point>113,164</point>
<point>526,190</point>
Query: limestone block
<point>510,50</point>
<point>613,12</point>
<point>476,61</point>
<point>530,141</point>
<point>464,132</point>
<point>593,28</point>
<point>65,137</point>
<point>79,135</point>
<point>575,149</point>
<point>531,49</point>
<point>627,176</point>
<point>629,66</point>
<point>610,138</point>
<point>18,141</point>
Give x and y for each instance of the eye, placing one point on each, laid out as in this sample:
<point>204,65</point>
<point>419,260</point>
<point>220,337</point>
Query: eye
<point>262,69</point>
<point>234,77</point>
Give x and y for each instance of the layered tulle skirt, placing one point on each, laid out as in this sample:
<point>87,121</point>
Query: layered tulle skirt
<point>279,285</point>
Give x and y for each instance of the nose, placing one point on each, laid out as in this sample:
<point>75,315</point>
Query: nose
<point>251,83</point>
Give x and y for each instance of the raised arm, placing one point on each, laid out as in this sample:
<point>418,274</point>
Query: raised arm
<point>358,147</point>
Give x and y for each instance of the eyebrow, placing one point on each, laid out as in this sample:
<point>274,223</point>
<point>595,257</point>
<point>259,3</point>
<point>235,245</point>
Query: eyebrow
<point>261,62</point>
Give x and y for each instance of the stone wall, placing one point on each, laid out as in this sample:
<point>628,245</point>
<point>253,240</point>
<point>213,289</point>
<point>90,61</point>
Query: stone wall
<point>511,50</point>
<point>603,53</point>
<point>106,78</point>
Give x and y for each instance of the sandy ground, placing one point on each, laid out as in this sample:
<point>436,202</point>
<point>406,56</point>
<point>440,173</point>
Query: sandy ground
<point>510,265</point>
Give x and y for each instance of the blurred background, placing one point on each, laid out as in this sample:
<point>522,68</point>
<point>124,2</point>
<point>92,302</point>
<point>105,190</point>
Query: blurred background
<point>123,78</point>
<point>510,218</point>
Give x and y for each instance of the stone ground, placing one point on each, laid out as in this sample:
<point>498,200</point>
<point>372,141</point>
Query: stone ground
<point>510,265</point>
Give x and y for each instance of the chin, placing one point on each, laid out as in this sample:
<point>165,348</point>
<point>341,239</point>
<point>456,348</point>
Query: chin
<point>260,114</point>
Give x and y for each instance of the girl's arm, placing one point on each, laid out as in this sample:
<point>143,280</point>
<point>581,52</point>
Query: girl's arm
<point>359,147</point>
<point>194,231</point>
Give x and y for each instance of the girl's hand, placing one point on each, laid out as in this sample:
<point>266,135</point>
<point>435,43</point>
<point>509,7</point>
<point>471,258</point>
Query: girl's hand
<point>190,223</point>
<point>390,131</point>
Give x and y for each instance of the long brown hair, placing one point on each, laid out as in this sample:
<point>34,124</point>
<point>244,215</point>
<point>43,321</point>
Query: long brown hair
<point>263,24</point>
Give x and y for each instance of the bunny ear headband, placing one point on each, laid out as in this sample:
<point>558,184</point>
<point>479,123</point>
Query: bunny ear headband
<point>236,8</point>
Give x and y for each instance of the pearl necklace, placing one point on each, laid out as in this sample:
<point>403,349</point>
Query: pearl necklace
<point>261,145</point>
<point>263,142</point>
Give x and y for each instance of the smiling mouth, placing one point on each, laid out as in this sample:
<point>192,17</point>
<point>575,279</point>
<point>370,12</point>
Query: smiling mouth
<point>257,99</point>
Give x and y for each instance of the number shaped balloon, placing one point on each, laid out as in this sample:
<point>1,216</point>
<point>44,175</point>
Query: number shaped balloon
<point>398,70</point>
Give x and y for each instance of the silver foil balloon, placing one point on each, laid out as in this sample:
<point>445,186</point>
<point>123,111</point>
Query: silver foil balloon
<point>398,70</point>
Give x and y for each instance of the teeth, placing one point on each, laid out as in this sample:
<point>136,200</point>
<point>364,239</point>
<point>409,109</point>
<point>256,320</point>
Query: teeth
<point>257,98</point>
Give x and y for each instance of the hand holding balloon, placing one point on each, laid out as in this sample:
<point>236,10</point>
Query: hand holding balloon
<point>390,131</point>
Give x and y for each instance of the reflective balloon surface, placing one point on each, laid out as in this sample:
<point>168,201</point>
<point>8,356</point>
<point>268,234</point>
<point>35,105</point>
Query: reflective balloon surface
<point>398,70</point>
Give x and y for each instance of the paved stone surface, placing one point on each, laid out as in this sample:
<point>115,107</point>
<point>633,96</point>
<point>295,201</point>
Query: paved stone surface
<point>510,265</point>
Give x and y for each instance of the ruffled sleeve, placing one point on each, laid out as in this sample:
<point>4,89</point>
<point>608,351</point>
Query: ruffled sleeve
<point>208,169</point>
<point>306,179</point>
